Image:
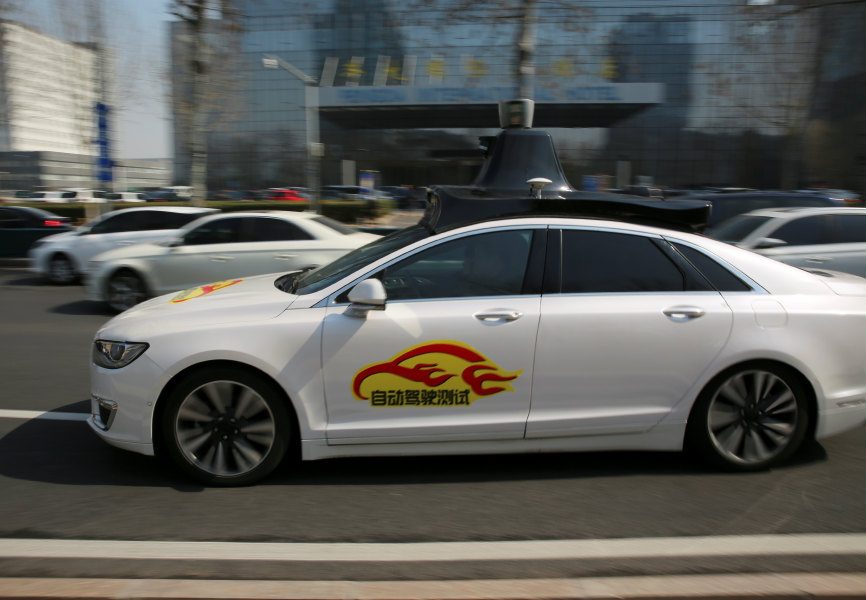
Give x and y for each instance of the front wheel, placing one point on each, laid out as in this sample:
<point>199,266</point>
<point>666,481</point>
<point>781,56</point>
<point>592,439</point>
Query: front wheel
<point>750,417</point>
<point>61,270</point>
<point>226,426</point>
<point>124,290</point>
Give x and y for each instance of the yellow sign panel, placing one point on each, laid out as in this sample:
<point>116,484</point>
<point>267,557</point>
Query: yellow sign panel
<point>203,290</point>
<point>439,373</point>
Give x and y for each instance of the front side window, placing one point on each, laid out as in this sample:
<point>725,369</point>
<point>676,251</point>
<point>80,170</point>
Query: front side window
<point>218,231</point>
<point>487,264</point>
<point>606,262</point>
<point>118,222</point>
<point>267,229</point>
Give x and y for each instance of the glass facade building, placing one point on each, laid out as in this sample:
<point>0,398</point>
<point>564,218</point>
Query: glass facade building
<point>750,93</point>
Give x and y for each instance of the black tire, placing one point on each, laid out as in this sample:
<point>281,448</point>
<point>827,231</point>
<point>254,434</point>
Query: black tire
<point>749,417</point>
<point>226,426</point>
<point>61,271</point>
<point>125,289</point>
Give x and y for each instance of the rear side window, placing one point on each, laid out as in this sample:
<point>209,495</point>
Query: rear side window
<point>806,231</point>
<point>718,276</point>
<point>605,262</point>
<point>850,228</point>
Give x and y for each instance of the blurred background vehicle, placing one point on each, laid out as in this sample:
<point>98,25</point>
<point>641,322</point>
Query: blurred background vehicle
<point>406,197</point>
<point>286,195</point>
<point>727,205</point>
<point>126,197</point>
<point>21,226</point>
<point>163,196</point>
<point>62,257</point>
<point>219,247</point>
<point>813,238</point>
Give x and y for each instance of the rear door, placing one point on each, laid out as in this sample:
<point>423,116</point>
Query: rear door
<point>625,335</point>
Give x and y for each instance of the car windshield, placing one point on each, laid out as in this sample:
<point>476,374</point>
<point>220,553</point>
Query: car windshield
<point>737,228</point>
<point>318,279</point>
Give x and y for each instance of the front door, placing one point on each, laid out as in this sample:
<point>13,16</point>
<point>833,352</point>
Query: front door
<point>449,358</point>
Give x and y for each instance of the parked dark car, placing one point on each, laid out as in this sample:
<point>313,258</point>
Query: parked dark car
<point>730,205</point>
<point>20,226</point>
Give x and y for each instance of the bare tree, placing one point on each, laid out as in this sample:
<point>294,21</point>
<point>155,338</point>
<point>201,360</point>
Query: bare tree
<point>212,39</point>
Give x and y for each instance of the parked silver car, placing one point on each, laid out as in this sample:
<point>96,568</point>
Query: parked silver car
<point>814,238</point>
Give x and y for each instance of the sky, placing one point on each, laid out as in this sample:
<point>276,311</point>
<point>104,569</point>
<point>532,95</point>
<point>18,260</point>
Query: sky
<point>137,32</point>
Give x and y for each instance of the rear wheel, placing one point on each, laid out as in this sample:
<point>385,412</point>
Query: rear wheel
<point>61,270</point>
<point>226,426</point>
<point>750,417</point>
<point>124,290</point>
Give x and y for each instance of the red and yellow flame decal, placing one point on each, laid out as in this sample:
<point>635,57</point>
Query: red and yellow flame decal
<point>440,373</point>
<point>203,290</point>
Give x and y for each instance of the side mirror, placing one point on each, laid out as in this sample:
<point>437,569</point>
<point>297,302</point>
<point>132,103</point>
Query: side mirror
<point>366,296</point>
<point>764,243</point>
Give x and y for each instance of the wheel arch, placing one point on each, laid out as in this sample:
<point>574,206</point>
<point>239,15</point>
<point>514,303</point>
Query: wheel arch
<point>172,384</point>
<point>812,397</point>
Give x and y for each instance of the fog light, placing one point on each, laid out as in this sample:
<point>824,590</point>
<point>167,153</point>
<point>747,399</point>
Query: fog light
<point>103,416</point>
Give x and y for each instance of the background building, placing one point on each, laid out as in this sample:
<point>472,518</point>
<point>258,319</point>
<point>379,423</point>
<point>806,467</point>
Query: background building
<point>677,92</point>
<point>48,127</point>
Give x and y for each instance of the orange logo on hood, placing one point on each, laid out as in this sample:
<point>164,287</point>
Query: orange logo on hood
<point>440,373</point>
<point>203,290</point>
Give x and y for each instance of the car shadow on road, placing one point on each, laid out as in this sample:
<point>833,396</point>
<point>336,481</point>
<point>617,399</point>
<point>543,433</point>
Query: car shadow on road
<point>84,307</point>
<point>67,452</point>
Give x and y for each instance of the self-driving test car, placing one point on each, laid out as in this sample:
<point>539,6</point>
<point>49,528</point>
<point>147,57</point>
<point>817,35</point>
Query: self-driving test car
<point>517,315</point>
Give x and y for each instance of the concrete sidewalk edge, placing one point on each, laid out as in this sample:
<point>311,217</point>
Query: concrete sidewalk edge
<point>837,586</point>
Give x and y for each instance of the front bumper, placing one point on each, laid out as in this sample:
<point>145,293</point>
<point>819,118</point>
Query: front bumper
<point>122,404</point>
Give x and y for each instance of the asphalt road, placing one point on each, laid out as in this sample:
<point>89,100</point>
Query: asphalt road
<point>59,482</point>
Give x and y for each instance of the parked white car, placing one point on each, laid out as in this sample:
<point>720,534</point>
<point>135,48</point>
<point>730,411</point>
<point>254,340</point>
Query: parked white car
<point>810,238</point>
<point>64,256</point>
<point>220,247</point>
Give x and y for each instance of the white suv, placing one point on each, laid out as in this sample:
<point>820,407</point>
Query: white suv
<point>810,238</point>
<point>63,257</point>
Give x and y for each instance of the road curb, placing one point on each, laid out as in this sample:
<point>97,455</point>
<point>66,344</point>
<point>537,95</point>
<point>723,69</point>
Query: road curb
<point>778,586</point>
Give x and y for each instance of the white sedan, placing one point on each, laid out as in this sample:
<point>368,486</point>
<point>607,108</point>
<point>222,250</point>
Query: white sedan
<point>827,238</point>
<point>219,247</point>
<point>63,257</point>
<point>511,335</point>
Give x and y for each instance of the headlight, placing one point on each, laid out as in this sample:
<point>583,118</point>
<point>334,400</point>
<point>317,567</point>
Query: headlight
<point>114,355</point>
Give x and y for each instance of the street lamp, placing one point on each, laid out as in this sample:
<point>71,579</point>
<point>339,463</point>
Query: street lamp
<point>315,149</point>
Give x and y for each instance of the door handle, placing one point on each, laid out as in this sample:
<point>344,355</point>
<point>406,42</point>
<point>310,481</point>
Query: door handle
<point>505,315</point>
<point>284,256</point>
<point>221,258</point>
<point>818,260</point>
<point>683,313</point>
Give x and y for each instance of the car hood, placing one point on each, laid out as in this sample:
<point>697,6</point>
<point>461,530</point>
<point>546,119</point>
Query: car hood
<point>236,300</point>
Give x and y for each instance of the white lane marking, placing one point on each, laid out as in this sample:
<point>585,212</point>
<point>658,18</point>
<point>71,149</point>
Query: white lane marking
<point>733,585</point>
<point>706,546</point>
<point>36,414</point>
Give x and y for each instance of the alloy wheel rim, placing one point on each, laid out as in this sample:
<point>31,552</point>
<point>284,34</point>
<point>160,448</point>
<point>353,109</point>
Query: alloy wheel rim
<point>753,417</point>
<point>61,270</point>
<point>125,292</point>
<point>225,428</point>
